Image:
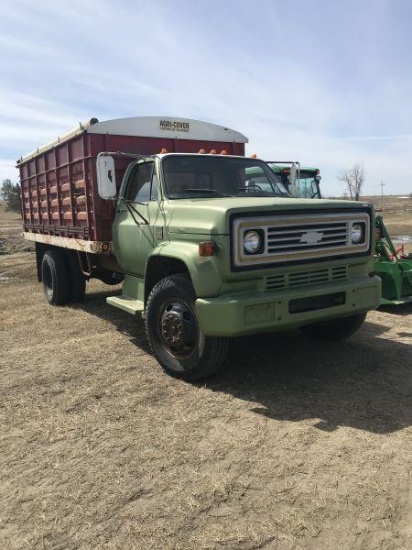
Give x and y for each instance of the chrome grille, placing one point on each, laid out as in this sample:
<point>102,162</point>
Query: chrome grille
<point>307,237</point>
<point>300,237</point>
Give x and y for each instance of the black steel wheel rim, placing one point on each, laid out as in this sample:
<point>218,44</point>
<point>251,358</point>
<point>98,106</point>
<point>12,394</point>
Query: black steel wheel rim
<point>178,328</point>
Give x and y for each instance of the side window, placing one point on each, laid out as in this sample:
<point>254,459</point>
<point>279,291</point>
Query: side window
<point>142,184</point>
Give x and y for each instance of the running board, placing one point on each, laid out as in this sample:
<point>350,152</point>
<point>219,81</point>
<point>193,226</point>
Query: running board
<point>126,303</point>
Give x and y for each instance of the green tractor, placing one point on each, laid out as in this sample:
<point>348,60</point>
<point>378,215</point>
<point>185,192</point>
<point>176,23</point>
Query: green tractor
<point>301,181</point>
<point>392,265</point>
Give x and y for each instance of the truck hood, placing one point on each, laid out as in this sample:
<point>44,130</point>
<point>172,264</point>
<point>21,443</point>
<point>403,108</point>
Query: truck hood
<point>210,216</point>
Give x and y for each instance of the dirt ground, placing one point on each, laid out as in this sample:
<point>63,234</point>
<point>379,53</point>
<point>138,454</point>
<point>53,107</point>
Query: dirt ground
<point>293,445</point>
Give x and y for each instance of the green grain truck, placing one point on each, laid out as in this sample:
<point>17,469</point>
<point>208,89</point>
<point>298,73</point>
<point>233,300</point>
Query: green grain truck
<point>204,251</point>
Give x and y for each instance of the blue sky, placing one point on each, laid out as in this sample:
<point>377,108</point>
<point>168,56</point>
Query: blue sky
<point>323,82</point>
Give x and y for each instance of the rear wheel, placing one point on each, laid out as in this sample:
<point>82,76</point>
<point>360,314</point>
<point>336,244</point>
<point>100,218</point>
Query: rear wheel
<point>174,333</point>
<point>334,329</point>
<point>54,271</point>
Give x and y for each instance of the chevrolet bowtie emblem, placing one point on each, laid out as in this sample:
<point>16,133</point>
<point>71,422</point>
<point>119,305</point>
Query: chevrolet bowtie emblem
<point>311,237</point>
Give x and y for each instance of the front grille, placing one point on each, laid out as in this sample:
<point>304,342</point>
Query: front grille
<point>304,278</point>
<point>300,237</point>
<point>307,237</point>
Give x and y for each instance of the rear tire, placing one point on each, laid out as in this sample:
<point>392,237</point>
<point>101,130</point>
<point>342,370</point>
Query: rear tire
<point>174,334</point>
<point>335,329</point>
<point>55,277</point>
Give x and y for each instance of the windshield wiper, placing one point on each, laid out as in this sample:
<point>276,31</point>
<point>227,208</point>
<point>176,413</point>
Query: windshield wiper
<point>214,191</point>
<point>254,192</point>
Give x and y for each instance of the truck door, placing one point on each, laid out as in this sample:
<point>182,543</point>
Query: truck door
<point>137,213</point>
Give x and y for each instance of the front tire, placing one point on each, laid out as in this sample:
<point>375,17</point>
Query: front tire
<point>174,334</point>
<point>54,272</point>
<point>334,329</point>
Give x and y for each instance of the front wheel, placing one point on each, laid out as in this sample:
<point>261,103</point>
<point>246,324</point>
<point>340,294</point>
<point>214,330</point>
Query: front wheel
<point>174,333</point>
<point>334,329</point>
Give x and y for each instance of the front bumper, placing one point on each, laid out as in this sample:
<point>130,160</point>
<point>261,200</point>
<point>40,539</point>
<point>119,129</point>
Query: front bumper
<point>256,312</point>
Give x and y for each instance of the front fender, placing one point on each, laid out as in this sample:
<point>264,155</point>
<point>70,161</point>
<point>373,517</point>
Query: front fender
<point>203,270</point>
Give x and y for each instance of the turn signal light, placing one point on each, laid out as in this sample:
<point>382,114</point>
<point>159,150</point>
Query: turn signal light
<point>207,248</point>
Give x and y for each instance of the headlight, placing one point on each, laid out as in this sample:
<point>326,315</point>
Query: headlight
<point>252,242</point>
<point>358,233</point>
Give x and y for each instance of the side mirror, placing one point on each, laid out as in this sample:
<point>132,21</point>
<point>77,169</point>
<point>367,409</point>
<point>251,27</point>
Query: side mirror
<point>106,176</point>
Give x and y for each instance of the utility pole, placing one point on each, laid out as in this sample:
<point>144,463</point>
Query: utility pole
<point>382,185</point>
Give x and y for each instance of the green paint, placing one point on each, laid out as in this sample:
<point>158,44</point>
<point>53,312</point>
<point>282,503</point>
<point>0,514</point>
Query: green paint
<point>161,235</point>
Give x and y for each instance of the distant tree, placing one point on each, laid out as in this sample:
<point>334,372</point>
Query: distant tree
<point>354,179</point>
<point>11,193</point>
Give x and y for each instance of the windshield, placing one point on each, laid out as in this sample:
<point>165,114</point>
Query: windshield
<point>208,176</point>
<point>307,187</point>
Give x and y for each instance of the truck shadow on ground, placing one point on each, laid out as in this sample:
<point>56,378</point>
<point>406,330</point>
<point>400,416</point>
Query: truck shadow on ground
<point>403,309</point>
<point>132,327</point>
<point>364,382</point>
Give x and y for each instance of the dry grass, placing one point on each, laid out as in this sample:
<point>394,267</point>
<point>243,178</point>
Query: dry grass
<point>292,446</point>
<point>397,215</point>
